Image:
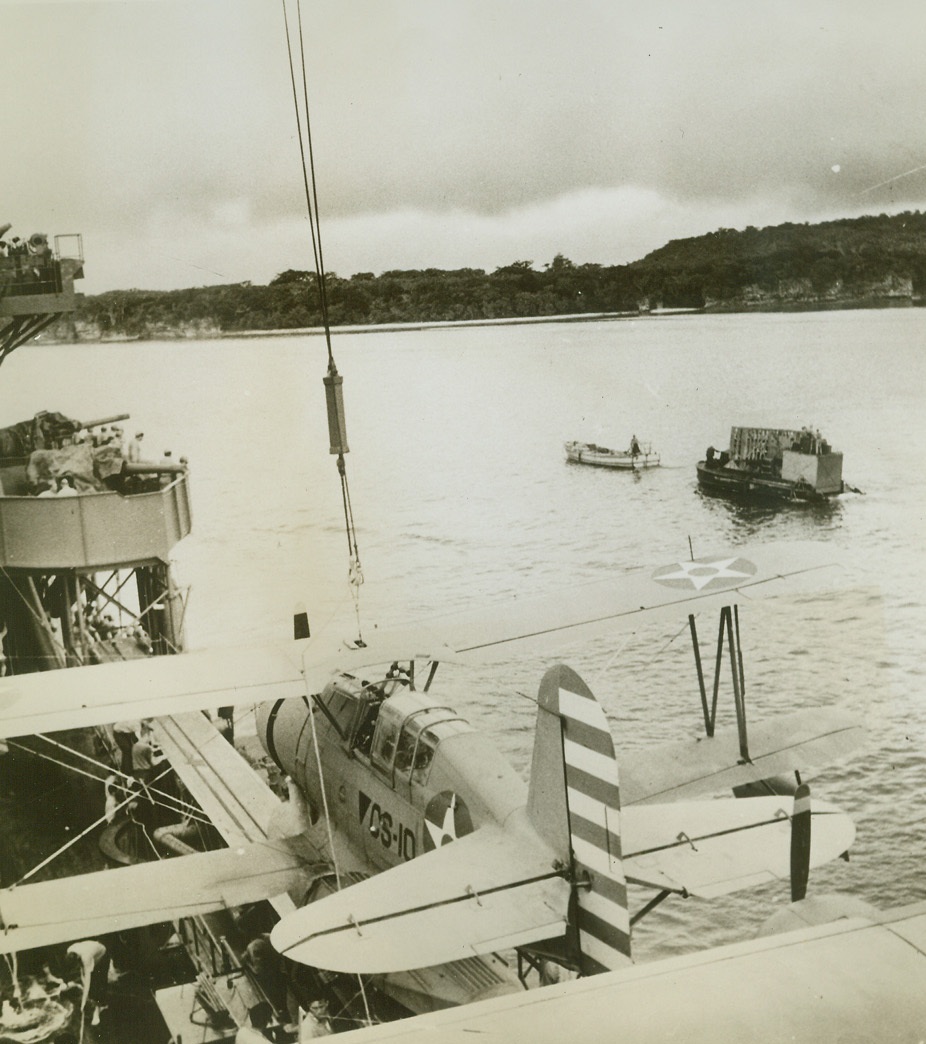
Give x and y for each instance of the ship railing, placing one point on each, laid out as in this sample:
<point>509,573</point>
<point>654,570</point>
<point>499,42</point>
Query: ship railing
<point>93,530</point>
<point>208,952</point>
<point>22,274</point>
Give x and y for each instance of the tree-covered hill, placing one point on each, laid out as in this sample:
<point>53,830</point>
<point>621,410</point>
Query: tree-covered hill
<point>843,263</point>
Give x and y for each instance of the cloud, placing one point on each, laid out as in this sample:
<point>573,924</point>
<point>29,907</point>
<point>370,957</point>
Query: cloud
<point>449,135</point>
<point>225,244</point>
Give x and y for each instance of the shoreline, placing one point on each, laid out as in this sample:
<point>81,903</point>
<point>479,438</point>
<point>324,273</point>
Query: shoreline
<point>420,325</point>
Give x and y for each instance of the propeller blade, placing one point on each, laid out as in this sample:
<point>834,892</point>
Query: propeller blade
<point>800,843</point>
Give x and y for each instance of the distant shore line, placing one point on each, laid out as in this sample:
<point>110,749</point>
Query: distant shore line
<point>189,334</point>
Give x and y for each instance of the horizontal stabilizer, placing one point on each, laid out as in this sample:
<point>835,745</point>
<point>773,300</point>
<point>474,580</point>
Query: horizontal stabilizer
<point>710,848</point>
<point>487,891</point>
<point>114,900</point>
<point>793,742</point>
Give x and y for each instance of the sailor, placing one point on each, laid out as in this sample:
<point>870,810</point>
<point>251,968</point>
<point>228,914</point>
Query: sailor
<point>634,446</point>
<point>315,1022</point>
<point>110,785</point>
<point>90,960</point>
<point>146,756</point>
<point>226,723</point>
<point>259,1018</point>
<point>267,968</point>
<point>134,451</point>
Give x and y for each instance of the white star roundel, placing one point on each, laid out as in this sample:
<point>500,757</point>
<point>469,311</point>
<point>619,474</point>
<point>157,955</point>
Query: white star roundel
<point>705,573</point>
<point>446,819</point>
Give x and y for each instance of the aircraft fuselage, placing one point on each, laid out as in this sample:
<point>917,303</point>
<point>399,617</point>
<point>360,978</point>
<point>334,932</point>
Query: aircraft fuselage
<point>401,774</point>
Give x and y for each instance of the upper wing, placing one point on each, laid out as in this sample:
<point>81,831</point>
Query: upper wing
<point>55,700</point>
<point>793,742</point>
<point>710,848</point>
<point>487,891</point>
<point>80,697</point>
<point>600,608</point>
<point>113,900</point>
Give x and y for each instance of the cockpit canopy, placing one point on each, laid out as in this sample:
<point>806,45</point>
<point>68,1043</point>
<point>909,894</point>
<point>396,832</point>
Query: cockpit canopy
<point>398,729</point>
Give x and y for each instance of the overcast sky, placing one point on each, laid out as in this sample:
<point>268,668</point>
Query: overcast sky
<point>448,133</point>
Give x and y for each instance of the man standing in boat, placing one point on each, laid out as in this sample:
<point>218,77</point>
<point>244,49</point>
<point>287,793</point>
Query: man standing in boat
<point>634,446</point>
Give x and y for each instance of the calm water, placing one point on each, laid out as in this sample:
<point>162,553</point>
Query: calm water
<point>462,498</point>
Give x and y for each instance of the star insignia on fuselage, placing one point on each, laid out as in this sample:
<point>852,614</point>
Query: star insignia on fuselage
<point>705,572</point>
<point>444,833</point>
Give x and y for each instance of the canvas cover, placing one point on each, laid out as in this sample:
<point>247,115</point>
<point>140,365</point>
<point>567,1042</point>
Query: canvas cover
<point>87,465</point>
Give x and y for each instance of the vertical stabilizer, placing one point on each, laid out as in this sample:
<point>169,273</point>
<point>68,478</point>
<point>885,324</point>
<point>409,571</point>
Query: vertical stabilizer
<point>574,804</point>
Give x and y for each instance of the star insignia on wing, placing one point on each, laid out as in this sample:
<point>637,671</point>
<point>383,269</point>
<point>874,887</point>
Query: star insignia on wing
<point>705,572</point>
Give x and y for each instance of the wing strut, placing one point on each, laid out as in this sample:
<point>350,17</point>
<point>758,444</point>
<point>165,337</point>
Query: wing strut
<point>729,636</point>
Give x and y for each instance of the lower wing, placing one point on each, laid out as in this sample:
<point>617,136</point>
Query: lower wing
<point>113,900</point>
<point>710,848</point>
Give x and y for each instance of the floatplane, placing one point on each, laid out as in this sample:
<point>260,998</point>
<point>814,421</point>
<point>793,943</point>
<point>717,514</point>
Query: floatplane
<point>409,843</point>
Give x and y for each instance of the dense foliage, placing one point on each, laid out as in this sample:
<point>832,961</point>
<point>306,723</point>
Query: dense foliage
<point>833,263</point>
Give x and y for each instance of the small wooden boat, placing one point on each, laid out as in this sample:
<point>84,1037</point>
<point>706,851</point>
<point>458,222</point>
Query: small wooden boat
<point>640,456</point>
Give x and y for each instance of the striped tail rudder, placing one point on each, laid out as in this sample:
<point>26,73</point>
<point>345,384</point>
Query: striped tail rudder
<point>574,804</point>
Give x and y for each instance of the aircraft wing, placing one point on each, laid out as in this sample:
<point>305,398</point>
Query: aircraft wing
<point>793,742</point>
<point>710,848</point>
<point>599,609</point>
<point>54,700</point>
<point>857,979</point>
<point>228,790</point>
<point>81,697</point>
<point>113,900</point>
<point>50,701</point>
<point>488,891</point>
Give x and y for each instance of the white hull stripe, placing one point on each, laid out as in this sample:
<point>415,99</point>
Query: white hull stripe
<point>598,904</point>
<point>588,736</point>
<point>605,768</point>
<point>596,859</point>
<point>595,834</point>
<point>604,791</point>
<point>582,708</point>
<point>606,932</point>
<point>601,954</point>
<point>589,807</point>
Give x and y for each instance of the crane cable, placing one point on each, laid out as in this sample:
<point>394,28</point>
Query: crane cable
<point>337,429</point>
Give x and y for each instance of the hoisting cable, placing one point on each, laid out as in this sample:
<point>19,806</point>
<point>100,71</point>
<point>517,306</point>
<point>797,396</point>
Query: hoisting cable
<point>334,395</point>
